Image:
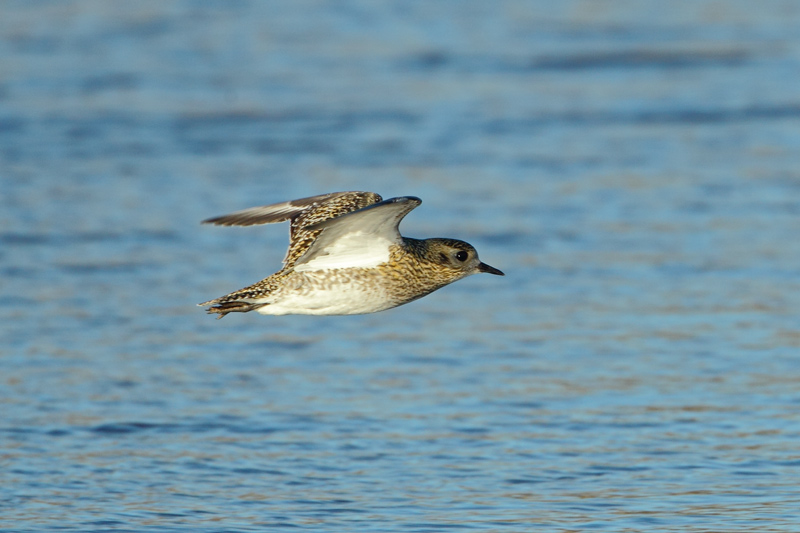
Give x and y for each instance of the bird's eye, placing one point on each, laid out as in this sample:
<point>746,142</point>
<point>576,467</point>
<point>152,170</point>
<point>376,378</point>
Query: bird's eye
<point>462,255</point>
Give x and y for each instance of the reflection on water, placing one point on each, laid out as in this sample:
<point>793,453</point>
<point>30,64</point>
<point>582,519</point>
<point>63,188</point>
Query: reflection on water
<point>633,171</point>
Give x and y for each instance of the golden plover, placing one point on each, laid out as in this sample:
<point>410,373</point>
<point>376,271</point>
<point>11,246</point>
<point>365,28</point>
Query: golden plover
<point>346,257</point>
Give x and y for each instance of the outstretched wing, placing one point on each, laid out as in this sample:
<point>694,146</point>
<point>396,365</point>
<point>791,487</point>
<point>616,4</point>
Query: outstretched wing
<point>280,212</point>
<point>357,239</point>
<point>303,213</point>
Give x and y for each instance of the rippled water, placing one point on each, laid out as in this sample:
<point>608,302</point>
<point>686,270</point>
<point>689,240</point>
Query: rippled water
<point>632,167</point>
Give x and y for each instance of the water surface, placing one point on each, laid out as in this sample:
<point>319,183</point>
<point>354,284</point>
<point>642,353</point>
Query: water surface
<point>631,167</point>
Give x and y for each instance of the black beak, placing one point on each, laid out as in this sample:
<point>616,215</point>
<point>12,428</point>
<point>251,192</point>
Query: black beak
<point>483,267</point>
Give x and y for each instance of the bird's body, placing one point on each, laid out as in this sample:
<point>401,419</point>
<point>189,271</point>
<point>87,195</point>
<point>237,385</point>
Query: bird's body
<point>346,256</point>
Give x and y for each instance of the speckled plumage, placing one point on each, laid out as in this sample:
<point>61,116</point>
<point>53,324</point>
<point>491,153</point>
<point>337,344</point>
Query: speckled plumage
<point>346,256</point>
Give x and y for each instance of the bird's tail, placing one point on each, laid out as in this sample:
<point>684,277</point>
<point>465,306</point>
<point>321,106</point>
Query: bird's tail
<point>236,306</point>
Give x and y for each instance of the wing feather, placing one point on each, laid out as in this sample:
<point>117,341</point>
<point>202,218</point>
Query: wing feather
<point>269,214</point>
<point>304,214</point>
<point>357,239</point>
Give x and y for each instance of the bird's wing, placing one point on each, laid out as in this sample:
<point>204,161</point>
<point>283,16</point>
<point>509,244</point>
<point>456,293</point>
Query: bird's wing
<point>303,213</point>
<point>357,239</point>
<point>269,214</point>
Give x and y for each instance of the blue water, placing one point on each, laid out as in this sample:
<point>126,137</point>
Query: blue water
<point>632,167</point>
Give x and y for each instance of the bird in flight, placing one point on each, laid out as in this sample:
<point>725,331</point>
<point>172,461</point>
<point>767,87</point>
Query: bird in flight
<point>346,257</point>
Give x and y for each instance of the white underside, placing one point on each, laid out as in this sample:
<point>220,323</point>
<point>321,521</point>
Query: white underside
<point>326,303</point>
<point>351,298</point>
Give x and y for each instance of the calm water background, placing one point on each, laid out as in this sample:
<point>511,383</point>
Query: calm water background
<point>634,168</point>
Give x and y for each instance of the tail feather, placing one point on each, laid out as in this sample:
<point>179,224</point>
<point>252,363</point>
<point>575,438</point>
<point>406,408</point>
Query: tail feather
<point>248,299</point>
<point>236,306</point>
